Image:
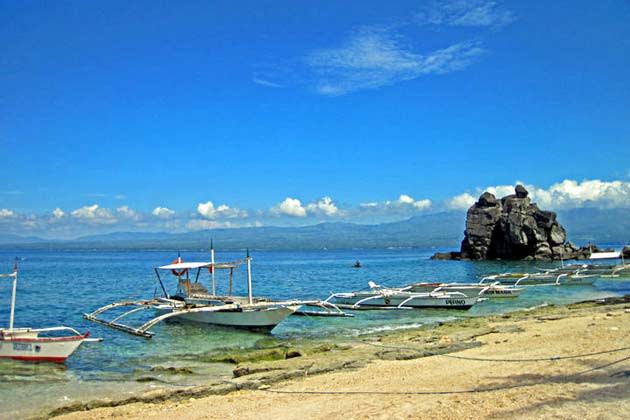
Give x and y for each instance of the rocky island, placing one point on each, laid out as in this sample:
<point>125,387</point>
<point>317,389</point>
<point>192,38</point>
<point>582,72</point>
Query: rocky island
<point>513,228</point>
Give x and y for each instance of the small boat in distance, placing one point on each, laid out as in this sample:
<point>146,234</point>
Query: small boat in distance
<point>357,264</point>
<point>53,344</point>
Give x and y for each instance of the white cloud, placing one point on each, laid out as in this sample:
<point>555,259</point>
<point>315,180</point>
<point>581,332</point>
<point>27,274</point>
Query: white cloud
<point>405,205</point>
<point>163,212</point>
<point>571,194</point>
<point>197,224</point>
<point>405,199</point>
<point>208,211</point>
<point>289,207</point>
<point>128,213</point>
<point>94,214</point>
<point>324,206</point>
<point>422,204</point>
<point>469,13</point>
<point>502,190</point>
<point>263,82</point>
<point>562,195</point>
<point>6,213</point>
<point>58,213</point>
<point>371,204</point>
<point>374,57</point>
<point>460,202</point>
<point>120,196</point>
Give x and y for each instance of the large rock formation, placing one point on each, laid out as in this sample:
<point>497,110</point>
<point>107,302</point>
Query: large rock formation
<point>513,228</point>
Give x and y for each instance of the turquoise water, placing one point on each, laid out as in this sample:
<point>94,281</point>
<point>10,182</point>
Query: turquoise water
<point>56,288</point>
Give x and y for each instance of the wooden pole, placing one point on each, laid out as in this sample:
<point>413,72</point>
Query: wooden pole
<point>157,273</point>
<point>214,284</point>
<point>249,278</point>
<point>13,300</point>
<point>230,289</point>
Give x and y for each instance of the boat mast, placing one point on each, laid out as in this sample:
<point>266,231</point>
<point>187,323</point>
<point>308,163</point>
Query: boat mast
<point>249,277</point>
<point>214,284</point>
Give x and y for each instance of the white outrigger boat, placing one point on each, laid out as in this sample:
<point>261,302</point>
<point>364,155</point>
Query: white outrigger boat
<point>379,297</point>
<point>492,290</point>
<point>193,303</point>
<point>53,344</point>
<point>555,277</point>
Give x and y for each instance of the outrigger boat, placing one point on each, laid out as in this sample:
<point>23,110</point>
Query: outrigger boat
<point>493,290</point>
<point>193,303</point>
<point>53,344</point>
<point>555,277</point>
<point>378,297</point>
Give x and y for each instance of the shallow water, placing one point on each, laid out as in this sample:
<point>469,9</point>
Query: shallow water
<point>56,288</point>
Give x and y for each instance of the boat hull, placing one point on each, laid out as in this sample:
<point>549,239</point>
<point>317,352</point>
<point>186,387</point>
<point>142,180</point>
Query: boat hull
<point>55,350</point>
<point>260,319</point>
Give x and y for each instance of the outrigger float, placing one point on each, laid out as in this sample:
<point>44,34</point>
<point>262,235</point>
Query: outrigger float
<point>192,302</point>
<point>54,344</point>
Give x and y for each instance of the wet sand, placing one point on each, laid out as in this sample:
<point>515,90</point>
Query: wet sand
<point>401,375</point>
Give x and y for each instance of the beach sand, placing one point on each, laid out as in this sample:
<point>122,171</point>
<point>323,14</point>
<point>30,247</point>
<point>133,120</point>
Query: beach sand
<point>596,386</point>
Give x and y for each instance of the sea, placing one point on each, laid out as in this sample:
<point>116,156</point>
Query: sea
<point>58,287</point>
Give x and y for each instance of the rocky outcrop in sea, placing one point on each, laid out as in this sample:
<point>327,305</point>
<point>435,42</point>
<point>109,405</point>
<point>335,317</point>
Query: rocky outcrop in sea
<point>513,228</point>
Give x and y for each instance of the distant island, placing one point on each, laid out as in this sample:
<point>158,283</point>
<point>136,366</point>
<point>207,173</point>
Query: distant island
<point>438,230</point>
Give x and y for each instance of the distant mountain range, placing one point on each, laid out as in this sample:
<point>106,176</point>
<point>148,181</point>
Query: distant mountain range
<point>443,230</point>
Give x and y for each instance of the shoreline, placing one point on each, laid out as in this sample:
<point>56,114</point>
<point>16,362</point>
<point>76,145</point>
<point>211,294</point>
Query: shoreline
<point>357,369</point>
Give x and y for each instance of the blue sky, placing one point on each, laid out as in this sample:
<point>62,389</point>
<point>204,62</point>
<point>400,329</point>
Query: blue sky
<point>293,112</point>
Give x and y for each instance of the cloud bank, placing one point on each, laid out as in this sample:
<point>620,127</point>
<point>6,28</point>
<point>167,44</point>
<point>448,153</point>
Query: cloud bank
<point>563,195</point>
<point>291,211</point>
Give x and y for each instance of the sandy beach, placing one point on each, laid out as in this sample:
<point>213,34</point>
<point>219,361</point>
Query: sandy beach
<point>562,362</point>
